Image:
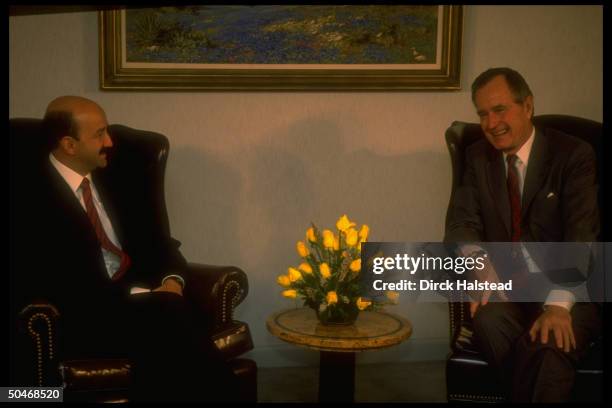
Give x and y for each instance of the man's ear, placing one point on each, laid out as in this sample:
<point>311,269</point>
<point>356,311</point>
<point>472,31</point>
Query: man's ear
<point>529,106</point>
<point>67,145</point>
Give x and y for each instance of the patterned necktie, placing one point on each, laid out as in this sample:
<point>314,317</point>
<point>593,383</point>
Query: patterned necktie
<point>105,242</point>
<point>514,194</point>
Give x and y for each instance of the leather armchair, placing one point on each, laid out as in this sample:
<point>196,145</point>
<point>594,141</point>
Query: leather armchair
<point>468,376</point>
<point>215,291</point>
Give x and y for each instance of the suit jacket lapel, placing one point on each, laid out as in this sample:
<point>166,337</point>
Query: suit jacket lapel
<point>496,177</point>
<point>539,165</point>
<point>64,196</point>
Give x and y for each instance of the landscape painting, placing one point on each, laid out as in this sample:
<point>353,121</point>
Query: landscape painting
<point>283,34</point>
<point>281,47</point>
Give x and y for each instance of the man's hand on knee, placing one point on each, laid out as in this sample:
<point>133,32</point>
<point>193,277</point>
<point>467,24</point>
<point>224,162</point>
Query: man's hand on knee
<point>559,320</point>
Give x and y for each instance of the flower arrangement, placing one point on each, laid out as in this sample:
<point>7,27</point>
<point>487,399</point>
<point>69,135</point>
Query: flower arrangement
<point>328,279</point>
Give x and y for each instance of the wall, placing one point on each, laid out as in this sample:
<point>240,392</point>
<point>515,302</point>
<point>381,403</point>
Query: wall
<point>249,171</point>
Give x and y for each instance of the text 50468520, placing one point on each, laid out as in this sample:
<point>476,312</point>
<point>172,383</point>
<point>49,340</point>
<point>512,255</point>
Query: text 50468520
<point>31,394</point>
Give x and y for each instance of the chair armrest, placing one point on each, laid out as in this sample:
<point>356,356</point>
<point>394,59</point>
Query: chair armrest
<point>215,291</point>
<point>38,322</point>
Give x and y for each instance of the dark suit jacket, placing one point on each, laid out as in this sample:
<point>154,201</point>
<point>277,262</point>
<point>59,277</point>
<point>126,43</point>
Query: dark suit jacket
<point>559,196</point>
<point>559,203</point>
<point>58,254</point>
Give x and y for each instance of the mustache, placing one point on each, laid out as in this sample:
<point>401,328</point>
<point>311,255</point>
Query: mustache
<point>106,150</point>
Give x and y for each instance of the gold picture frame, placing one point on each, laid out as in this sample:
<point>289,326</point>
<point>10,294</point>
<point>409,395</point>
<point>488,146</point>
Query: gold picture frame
<point>116,73</point>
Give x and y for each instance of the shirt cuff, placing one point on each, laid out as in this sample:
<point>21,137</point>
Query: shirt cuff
<point>177,277</point>
<point>559,297</point>
<point>137,289</point>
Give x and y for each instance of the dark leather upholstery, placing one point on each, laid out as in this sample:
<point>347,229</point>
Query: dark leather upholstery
<point>468,375</point>
<point>215,290</point>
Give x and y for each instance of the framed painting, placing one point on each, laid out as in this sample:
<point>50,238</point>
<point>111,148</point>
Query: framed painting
<point>291,47</point>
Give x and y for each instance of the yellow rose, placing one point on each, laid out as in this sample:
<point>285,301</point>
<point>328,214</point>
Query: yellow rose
<point>304,267</point>
<point>283,280</point>
<point>290,293</point>
<point>332,298</point>
<point>363,233</point>
<point>344,223</point>
<point>310,235</point>
<point>351,237</point>
<point>363,304</point>
<point>328,239</point>
<point>302,250</point>
<point>393,296</point>
<point>324,269</point>
<point>336,244</point>
<point>294,274</point>
<point>355,266</point>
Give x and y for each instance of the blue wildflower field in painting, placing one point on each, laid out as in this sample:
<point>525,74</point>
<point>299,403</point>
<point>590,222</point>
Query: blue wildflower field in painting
<point>283,34</point>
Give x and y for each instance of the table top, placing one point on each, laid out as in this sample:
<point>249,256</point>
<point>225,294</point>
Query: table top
<point>371,330</point>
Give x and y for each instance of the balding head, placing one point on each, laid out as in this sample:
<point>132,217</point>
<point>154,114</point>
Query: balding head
<point>71,104</point>
<point>63,115</point>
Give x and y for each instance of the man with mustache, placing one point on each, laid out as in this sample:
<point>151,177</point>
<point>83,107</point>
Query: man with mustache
<point>89,246</point>
<point>523,184</point>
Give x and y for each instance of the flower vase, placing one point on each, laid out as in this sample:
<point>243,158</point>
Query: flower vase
<point>337,315</point>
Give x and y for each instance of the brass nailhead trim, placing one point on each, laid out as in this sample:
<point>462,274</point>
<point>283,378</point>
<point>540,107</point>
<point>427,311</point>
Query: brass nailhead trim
<point>478,397</point>
<point>104,372</point>
<point>36,337</point>
<point>452,319</point>
<point>225,316</point>
<point>461,307</point>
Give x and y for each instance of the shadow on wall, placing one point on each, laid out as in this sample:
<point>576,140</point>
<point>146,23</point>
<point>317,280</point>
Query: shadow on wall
<point>308,173</point>
<point>203,195</point>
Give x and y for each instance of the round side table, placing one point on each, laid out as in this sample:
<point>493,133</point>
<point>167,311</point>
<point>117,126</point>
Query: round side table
<point>338,344</point>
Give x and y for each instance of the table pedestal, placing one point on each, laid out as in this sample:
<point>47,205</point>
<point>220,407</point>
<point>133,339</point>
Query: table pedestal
<point>336,376</point>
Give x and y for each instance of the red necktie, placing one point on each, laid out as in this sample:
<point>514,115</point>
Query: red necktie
<point>514,194</point>
<point>520,275</point>
<point>105,242</point>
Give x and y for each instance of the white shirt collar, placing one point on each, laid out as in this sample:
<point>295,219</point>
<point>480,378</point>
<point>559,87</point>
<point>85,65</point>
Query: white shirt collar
<point>71,177</point>
<point>525,150</point>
